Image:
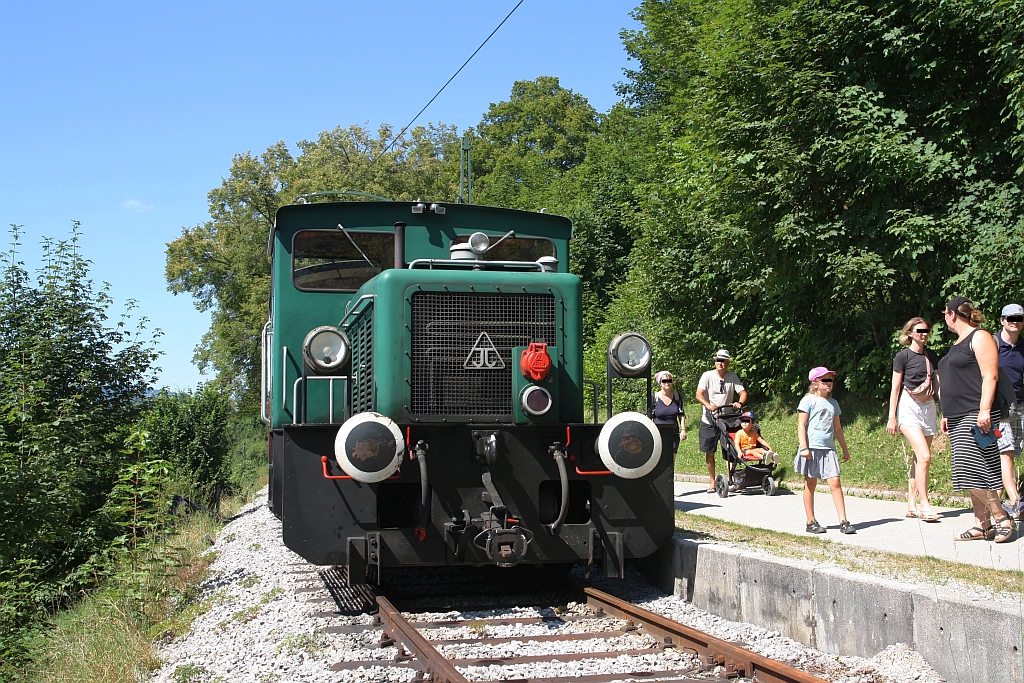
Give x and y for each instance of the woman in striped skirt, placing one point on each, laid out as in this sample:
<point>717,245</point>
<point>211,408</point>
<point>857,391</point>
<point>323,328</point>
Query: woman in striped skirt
<point>969,372</point>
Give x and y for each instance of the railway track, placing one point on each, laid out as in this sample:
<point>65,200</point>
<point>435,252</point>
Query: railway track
<point>612,640</point>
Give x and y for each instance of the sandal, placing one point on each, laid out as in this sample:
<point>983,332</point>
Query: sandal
<point>976,533</point>
<point>912,513</point>
<point>928,515</point>
<point>1003,530</point>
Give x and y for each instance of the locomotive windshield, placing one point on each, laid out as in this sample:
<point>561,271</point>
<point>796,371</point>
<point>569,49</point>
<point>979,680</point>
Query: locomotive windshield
<point>515,248</point>
<point>328,259</point>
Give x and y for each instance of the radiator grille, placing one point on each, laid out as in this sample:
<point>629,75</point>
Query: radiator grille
<point>445,327</point>
<point>360,335</point>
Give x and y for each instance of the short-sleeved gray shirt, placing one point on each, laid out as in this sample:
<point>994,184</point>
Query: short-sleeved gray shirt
<point>719,390</point>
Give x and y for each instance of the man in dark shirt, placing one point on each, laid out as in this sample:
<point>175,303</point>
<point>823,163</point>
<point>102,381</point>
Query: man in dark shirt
<point>1011,360</point>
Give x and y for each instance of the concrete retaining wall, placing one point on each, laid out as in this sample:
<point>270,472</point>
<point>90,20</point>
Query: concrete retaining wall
<point>965,639</point>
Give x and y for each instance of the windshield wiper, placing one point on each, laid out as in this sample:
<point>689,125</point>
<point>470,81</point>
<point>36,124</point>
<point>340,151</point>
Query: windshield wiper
<point>342,228</point>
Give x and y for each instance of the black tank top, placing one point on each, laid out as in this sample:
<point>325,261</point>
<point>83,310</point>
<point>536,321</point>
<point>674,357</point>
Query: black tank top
<point>961,380</point>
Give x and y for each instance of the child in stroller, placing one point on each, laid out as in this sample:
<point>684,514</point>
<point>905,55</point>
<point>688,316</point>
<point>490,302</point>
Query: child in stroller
<point>750,445</point>
<point>751,458</point>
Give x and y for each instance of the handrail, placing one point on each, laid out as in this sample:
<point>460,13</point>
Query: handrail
<point>301,199</point>
<point>593,384</point>
<point>264,372</point>
<point>350,309</point>
<point>330,396</point>
<point>323,462</point>
<point>284,381</point>
<point>472,263</point>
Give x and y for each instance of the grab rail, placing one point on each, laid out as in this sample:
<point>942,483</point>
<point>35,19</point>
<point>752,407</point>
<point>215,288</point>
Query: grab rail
<point>346,407</point>
<point>351,308</point>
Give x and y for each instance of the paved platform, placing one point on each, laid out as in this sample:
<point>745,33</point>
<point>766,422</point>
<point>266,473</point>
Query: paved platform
<point>881,524</point>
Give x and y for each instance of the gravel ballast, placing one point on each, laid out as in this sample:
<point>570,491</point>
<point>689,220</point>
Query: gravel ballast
<point>254,627</point>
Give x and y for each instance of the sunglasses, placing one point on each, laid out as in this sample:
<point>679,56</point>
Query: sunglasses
<point>827,381</point>
<point>1015,318</point>
<point>666,381</point>
<point>922,330</point>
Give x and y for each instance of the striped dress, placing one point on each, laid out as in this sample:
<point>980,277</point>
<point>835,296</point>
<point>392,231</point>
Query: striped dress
<point>973,467</point>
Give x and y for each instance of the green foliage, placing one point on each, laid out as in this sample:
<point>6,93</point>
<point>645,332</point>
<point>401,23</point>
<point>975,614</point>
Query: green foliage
<point>838,168</point>
<point>70,388</point>
<point>189,429</point>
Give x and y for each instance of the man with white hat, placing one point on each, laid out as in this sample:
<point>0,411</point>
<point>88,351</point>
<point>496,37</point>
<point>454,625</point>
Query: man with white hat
<point>1011,360</point>
<point>715,390</point>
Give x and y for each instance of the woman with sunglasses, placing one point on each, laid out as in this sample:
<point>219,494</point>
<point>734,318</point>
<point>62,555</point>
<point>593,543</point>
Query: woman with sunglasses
<point>818,429</point>
<point>969,373</point>
<point>912,410</point>
<point>667,409</point>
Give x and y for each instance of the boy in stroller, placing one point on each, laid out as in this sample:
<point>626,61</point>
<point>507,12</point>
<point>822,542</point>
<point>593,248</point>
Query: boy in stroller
<point>750,445</point>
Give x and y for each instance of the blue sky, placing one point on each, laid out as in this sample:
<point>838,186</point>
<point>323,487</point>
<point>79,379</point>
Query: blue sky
<point>124,115</point>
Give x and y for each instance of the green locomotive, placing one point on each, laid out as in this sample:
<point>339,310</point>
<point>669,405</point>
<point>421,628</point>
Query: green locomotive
<point>423,388</point>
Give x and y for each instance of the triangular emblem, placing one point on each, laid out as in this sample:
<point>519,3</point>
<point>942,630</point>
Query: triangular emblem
<point>483,355</point>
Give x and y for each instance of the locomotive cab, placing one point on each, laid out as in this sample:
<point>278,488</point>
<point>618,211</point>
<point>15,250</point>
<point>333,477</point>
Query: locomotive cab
<point>424,393</point>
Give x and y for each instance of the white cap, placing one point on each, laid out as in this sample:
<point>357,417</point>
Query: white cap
<point>1012,309</point>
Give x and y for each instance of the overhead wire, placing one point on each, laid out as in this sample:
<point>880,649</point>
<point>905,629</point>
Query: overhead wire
<point>438,93</point>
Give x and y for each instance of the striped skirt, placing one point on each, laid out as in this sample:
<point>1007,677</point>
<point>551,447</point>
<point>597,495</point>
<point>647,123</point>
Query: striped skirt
<point>973,468</point>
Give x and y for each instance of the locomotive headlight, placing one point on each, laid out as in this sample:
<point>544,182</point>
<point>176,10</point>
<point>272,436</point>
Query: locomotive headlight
<point>479,242</point>
<point>629,445</point>
<point>630,354</point>
<point>536,400</point>
<point>369,447</point>
<point>325,349</point>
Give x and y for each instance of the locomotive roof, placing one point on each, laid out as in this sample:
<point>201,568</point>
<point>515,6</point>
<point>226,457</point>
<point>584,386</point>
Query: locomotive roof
<point>384,214</point>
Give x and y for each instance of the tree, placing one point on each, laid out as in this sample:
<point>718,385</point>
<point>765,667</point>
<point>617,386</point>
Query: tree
<point>834,167</point>
<point>223,263</point>
<point>526,143</point>
<point>190,431</point>
<point>70,389</point>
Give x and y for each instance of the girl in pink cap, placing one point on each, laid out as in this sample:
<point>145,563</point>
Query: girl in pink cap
<point>818,428</point>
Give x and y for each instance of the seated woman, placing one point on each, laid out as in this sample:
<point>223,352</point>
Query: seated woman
<point>749,443</point>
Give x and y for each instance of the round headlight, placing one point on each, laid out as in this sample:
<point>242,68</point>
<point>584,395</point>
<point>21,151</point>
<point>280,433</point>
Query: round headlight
<point>536,400</point>
<point>479,242</point>
<point>369,447</point>
<point>630,354</point>
<point>629,445</point>
<point>325,349</point>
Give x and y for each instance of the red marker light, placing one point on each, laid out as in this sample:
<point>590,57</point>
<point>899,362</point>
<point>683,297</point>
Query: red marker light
<point>535,362</point>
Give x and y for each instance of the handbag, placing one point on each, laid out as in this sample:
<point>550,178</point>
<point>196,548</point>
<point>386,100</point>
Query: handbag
<point>926,390</point>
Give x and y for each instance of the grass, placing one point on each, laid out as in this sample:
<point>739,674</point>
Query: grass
<point>106,637</point>
<point>875,562</point>
<point>878,461</point>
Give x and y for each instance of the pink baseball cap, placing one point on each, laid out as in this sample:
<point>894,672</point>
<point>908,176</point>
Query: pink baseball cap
<point>819,372</point>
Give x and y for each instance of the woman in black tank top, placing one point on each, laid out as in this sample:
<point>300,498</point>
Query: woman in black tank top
<point>969,373</point>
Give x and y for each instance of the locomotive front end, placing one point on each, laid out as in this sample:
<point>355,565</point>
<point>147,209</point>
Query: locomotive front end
<point>433,413</point>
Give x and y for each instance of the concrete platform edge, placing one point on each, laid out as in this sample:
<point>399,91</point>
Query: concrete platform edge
<point>844,612</point>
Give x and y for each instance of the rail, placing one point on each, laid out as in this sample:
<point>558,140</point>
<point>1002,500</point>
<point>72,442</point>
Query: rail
<point>353,307</point>
<point>713,651</point>
<point>265,346</point>
<point>471,263</point>
<point>441,670</point>
<point>417,651</point>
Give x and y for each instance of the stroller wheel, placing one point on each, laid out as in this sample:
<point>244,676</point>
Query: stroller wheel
<point>721,486</point>
<point>769,486</point>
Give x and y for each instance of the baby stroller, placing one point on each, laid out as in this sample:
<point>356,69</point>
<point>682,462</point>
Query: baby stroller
<point>743,474</point>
